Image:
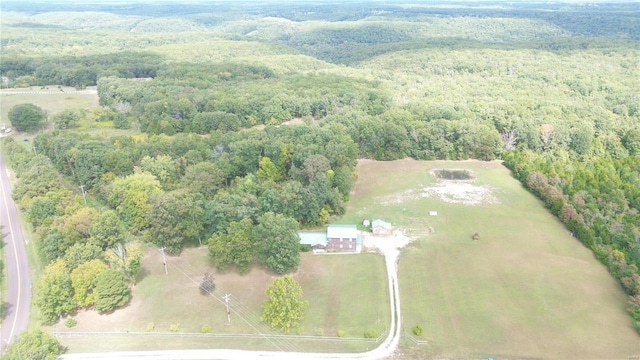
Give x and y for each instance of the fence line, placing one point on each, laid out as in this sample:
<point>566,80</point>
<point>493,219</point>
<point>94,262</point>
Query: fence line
<point>413,339</point>
<point>208,335</point>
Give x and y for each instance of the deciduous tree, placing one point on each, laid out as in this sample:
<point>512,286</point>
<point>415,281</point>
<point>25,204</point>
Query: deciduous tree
<point>106,230</point>
<point>26,117</point>
<point>285,304</point>
<point>234,247</point>
<point>35,345</point>
<point>54,292</point>
<point>84,281</point>
<point>112,290</point>
<point>277,242</point>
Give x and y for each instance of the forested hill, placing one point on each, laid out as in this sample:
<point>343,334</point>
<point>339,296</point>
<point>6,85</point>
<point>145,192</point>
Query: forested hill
<point>219,112</point>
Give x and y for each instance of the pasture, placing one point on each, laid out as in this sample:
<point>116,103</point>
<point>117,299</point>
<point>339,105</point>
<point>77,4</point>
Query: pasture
<point>336,303</point>
<point>524,289</point>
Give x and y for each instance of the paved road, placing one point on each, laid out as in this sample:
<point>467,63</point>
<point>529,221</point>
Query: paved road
<point>18,296</point>
<point>389,249</point>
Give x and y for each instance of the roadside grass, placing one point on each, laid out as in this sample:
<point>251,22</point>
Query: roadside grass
<point>336,302</point>
<point>525,289</point>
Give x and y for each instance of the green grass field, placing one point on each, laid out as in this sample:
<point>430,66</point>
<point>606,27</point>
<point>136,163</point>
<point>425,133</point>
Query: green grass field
<point>336,302</point>
<point>55,100</point>
<point>525,289</point>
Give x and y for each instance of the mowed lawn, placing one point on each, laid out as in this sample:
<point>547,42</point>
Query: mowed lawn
<point>345,292</point>
<point>525,289</point>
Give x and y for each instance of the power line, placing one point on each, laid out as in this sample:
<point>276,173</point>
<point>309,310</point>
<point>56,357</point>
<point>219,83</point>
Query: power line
<point>243,312</point>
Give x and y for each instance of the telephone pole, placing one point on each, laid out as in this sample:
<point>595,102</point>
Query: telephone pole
<point>84,194</point>
<point>164,261</point>
<point>226,301</point>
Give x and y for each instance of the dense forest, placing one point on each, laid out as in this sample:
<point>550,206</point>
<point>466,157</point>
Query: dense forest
<point>249,116</point>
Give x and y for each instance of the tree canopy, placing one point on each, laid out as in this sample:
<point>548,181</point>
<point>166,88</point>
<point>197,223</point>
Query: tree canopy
<point>285,304</point>
<point>26,117</point>
<point>36,345</point>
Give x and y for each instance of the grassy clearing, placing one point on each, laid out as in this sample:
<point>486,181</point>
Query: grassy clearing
<point>54,99</point>
<point>160,301</point>
<point>526,289</point>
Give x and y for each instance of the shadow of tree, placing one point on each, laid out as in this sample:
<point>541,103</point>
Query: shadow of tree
<point>5,310</point>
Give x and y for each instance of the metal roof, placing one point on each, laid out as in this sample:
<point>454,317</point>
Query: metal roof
<point>335,231</point>
<point>379,222</point>
<point>313,238</point>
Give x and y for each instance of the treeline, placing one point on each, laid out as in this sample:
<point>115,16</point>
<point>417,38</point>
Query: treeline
<point>599,202</point>
<point>202,98</point>
<point>252,188</point>
<point>89,259</point>
<point>78,71</point>
<point>201,184</point>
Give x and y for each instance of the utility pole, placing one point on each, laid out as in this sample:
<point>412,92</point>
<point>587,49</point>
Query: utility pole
<point>164,261</point>
<point>83,194</point>
<point>226,301</point>
<point>34,151</point>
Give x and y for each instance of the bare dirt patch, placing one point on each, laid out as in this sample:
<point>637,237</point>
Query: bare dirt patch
<point>463,192</point>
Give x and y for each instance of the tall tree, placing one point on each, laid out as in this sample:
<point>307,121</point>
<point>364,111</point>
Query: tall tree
<point>112,290</point>
<point>234,247</point>
<point>84,281</point>
<point>130,197</point>
<point>175,219</point>
<point>26,117</point>
<point>80,253</point>
<point>34,345</point>
<point>285,304</point>
<point>277,242</point>
<point>54,292</point>
<point>106,230</point>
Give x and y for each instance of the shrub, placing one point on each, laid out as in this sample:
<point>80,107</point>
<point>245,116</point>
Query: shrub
<point>370,334</point>
<point>341,333</point>
<point>304,247</point>
<point>205,329</point>
<point>151,326</point>
<point>417,330</point>
<point>71,322</point>
<point>174,327</point>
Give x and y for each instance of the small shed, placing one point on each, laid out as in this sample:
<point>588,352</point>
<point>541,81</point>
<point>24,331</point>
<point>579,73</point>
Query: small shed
<point>380,227</point>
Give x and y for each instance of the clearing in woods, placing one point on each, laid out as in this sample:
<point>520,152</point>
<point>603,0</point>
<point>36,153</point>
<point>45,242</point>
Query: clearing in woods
<point>524,289</point>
